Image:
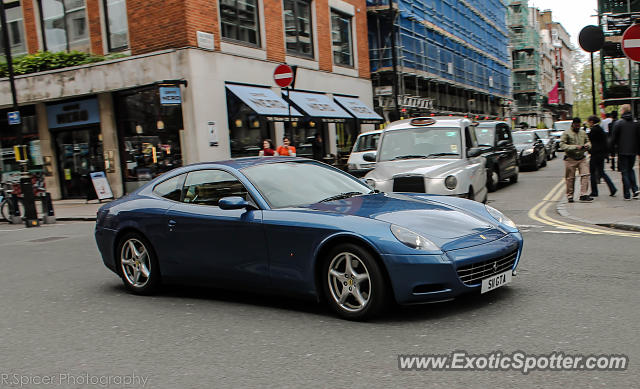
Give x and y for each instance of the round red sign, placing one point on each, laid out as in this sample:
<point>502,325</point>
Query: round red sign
<point>631,43</point>
<point>283,75</point>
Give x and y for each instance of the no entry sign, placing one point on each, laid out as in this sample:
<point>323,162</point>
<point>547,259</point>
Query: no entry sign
<point>631,42</point>
<point>283,75</point>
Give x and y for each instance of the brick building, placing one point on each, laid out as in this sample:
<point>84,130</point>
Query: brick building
<point>195,84</point>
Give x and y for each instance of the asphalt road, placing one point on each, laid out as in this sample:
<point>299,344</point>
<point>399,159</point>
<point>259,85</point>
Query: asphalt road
<point>63,312</point>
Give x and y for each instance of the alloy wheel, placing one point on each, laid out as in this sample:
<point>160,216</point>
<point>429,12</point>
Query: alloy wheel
<point>135,263</point>
<point>349,282</point>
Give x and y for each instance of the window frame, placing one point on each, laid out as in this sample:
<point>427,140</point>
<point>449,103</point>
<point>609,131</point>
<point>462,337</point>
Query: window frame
<point>350,29</point>
<point>297,52</point>
<point>110,48</point>
<point>21,32</point>
<point>258,31</point>
<point>249,198</point>
<point>66,27</point>
<point>180,176</point>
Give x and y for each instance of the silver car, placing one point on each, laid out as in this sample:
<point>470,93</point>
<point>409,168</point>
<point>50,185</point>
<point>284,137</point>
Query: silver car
<point>429,155</point>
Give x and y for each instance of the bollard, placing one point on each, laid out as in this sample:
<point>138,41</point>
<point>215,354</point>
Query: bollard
<point>15,217</point>
<point>48,216</point>
<point>28,199</point>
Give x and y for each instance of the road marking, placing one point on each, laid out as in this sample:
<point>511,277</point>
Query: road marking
<point>539,214</point>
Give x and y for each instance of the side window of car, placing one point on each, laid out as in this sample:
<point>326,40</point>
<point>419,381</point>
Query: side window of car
<point>207,187</point>
<point>470,138</point>
<point>170,189</point>
<point>503,133</point>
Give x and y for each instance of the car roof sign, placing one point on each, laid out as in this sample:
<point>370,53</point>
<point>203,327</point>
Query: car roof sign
<point>422,121</point>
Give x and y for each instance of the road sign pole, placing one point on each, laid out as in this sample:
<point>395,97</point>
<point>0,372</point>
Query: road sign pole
<point>593,87</point>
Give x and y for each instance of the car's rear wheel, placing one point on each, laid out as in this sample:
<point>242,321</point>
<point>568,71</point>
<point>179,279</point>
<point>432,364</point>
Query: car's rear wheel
<point>514,178</point>
<point>354,284</point>
<point>544,160</point>
<point>492,179</point>
<point>137,264</point>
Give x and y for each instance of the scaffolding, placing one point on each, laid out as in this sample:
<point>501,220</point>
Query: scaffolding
<point>460,43</point>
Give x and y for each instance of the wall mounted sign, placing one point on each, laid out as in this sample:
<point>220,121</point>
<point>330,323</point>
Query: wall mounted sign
<point>205,40</point>
<point>213,134</point>
<point>170,95</point>
<point>75,113</point>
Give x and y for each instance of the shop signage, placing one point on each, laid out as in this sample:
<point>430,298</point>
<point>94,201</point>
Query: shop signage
<point>318,105</point>
<point>415,102</point>
<point>170,95</point>
<point>74,113</point>
<point>13,117</point>
<point>101,185</point>
<point>386,90</point>
<point>357,108</point>
<point>205,40</point>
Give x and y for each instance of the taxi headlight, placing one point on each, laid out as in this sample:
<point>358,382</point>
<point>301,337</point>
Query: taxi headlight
<point>412,239</point>
<point>500,217</point>
<point>451,182</point>
<point>370,182</point>
<point>527,152</point>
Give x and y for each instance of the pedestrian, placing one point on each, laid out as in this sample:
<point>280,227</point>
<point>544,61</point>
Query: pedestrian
<point>626,141</point>
<point>614,119</point>
<point>604,124</point>
<point>599,151</point>
<point>318,147</point>
<point>575,143</point>
<point>267,149</point>
<point>286,149</point>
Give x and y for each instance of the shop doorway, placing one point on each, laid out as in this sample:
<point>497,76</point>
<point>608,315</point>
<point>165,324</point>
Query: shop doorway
<point>79,153</point>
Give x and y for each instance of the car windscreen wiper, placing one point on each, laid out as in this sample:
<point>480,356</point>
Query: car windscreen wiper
<point>409,157</point>
<point>442,154</point>
<point>341,196</point>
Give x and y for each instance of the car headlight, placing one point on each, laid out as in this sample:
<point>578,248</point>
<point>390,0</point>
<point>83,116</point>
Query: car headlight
<point>500,217</point>
<point>371,182</point>
<point>451,182</point>
<point>413,240</point>
<point>352,166</point>
<point>527,152</point>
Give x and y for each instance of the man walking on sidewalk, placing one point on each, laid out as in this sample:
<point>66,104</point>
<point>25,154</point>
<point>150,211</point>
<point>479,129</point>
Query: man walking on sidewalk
<point>599,152</point>
<point>614,119</point>
<point>575,143</point>
<point>626,142</point>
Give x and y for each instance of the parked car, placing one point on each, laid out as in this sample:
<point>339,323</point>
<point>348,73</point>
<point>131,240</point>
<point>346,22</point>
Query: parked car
<point>531,149</point>
<point>367,142</point>
<point>548,141</point>
<point>502,157</point>
<point>320,233</point>
<point>558,128</point>
<point>429,155</point>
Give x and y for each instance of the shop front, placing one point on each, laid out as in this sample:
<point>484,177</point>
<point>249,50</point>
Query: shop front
<point>149,125</point>
<point>348,131</point>
<point>77,144</point>
<point>254,113</point>
<point>25,133</point>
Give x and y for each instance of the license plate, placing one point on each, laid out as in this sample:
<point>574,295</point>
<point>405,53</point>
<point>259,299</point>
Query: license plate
<point>496,281</point>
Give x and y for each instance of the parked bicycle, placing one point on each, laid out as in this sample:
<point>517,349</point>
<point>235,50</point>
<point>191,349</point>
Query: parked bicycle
<point>7,209</point>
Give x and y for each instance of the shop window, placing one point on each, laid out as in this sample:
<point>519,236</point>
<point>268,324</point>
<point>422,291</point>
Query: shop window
<point>341,39</point>
<point>149,135</point>
<point>64,23</point>
<point>26,134</point>
<point>207,187</point>
<point>116,23</point>
<point>247,130</point>
<point>297,26</point>
<point>240,21</point>
<point>15,26</point>
<point>346,135</point>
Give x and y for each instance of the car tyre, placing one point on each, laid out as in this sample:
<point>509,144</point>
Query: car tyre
<point>514,178</point>
<point>492,180</point>
<point>354,284</point>
<point>544,161</point>
<point>137,264</point>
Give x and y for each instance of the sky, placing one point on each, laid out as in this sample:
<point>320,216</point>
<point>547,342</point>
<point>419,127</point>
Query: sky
<point>572,14</point>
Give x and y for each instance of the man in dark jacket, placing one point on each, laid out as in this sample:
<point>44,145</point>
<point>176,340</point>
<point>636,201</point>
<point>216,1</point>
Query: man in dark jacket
<point>626,142</point>
<point>599,152</point>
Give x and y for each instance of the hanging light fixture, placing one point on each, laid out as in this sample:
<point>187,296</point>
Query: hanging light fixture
<point>138,129</point>
<point>160,125</point>
<point>238,123</point>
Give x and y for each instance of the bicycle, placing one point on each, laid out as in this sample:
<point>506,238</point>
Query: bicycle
<point>7,209</point>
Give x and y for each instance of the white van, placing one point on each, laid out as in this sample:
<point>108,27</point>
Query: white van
<point>367,142</point>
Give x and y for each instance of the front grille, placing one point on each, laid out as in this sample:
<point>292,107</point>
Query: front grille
<point>472,274</point>
<point>413,184</point>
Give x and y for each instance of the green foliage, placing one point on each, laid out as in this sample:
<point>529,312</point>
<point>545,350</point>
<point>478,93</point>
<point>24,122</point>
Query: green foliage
<point>541,126</point>
<point>45,60</point>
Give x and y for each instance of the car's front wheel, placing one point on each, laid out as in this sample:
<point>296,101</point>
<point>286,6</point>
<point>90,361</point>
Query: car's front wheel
<point>354,284</point>
<point>137,265</point>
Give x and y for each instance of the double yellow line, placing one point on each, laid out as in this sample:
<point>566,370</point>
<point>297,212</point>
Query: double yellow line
<point>539,214</point>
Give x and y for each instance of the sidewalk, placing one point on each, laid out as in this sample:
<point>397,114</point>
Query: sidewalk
<point>74,210</point>
<point>605,210</point>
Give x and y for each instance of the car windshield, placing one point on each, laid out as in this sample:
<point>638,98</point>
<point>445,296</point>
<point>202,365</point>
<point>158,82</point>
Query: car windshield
<point>523,137</point>
<point>290,184</point>
<point>561,126</point>
<point>544,134</point>
<point>485,135</point>
<point>367,143</point>
<point>422,142</point>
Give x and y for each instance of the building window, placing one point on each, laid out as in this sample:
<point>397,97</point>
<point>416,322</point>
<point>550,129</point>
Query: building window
<point>64,23</point>
<point>341,39</point>
<point>15,24</point>
<point>297,26</point>
<point>240,20</point>
<point>116,22</point>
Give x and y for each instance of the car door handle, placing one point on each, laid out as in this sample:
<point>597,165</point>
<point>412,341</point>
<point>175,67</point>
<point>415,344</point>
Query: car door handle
<point>172,225</point>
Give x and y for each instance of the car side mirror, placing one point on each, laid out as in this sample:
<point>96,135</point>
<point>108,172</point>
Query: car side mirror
<point>503,143</point>
<point>369,157</point>
<point>473,152</point>
<point>233,202</point>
